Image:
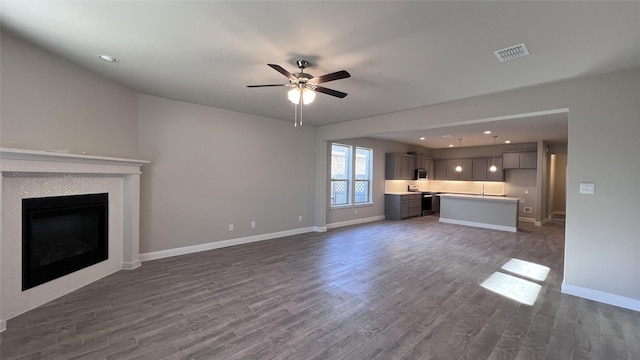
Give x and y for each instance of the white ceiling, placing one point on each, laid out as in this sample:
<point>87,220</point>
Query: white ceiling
<point>401,55</point>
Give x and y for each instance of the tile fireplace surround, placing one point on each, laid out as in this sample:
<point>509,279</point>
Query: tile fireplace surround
<point>29,174</point>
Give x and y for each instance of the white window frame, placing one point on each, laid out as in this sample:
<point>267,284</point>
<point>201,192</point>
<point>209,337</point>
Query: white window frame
<point>351,177</point>
<point>369,178</point>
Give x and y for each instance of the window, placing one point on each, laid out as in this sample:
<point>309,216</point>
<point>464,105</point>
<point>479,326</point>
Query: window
<point>350,174</point>
<point>340,174</point>
<point>363,175</point>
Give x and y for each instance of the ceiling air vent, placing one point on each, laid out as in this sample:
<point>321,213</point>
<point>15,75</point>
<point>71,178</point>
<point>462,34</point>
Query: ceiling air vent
<point>512,52</point>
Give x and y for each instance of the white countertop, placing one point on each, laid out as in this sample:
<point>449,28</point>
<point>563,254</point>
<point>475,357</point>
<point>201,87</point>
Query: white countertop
<point>403,193</point>
<point>480,197</point>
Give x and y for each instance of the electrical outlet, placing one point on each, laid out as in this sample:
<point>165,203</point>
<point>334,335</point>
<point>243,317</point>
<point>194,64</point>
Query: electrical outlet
<point>526,191</point>
<point>230,227</point>
<point>253,224</point>
<point>300,218</point>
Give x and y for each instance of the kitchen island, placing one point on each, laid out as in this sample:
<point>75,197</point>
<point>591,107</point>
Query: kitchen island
<point>491,212</point>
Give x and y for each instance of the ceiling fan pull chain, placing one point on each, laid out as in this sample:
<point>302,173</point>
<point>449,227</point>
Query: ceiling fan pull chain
<point>295,115</point>
<point>301,103</point>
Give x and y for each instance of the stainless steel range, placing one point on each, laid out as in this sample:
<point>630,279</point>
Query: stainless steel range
<point>427,199</point>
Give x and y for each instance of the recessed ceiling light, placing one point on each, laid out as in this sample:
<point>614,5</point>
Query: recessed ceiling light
<point>422,138</point>
<point>507,141</point>
<point>450,145</point>
<point>108,58</point>
<point>487,132</point>
<point>446,136</point>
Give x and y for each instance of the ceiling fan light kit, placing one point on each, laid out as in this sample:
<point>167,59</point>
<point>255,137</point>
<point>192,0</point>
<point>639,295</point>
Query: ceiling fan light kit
<point>308,95</point>
<point>305,86</point>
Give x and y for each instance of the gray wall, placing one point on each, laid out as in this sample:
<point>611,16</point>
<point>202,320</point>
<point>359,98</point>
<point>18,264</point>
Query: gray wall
<point>516,182</point>
<point>212,167</point>
<point>602,253</point>
<point>49,103</point>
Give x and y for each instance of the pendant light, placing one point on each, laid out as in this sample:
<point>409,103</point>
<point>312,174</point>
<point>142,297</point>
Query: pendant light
<point>493,167</point>
<point>459,167</point>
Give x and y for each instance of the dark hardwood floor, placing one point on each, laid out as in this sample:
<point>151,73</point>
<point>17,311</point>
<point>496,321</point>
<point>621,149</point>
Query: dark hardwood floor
<point>383,290</point>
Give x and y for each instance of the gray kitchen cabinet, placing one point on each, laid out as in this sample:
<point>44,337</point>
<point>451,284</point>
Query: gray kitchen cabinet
<point>521,160</point>
<point>431,168</point>
<point>480,169</point>
<point>399,166</point>
<point>465,174</point>
<point>528,160</point>
<point>440,170</point>
<point>511,160</point>
<point>499,174</point>
<point>398,207</point>
<point>422,161</point>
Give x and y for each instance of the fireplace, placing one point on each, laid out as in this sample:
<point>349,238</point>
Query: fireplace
<point>61,235</point>
<point>32,174</point>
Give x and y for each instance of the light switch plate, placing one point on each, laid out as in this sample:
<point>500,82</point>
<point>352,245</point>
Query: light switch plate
<point>587,188</point>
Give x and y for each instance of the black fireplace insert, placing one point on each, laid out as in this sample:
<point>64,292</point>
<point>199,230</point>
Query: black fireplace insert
<point>61,235</point>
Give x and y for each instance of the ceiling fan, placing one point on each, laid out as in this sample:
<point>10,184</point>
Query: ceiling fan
<point>304,86</point>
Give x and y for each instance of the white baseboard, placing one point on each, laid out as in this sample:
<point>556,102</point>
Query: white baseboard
<point>480,225</point>
<point>3,325</point>
<point>601,296</point>
<point>220,244</point>
<point>131,265</point>
<point>320,228</point>
<point>530,220</point>
<point>354,222</point>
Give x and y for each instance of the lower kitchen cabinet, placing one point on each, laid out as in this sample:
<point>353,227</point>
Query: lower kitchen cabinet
<point>398,207</point>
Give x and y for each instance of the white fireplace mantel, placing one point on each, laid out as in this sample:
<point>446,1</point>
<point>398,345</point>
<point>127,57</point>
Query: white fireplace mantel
<point>34,163</point>
<point>37,161</point>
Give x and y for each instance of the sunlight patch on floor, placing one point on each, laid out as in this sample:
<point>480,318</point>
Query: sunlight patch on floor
<point>527,269</point>
<point>514,288</point>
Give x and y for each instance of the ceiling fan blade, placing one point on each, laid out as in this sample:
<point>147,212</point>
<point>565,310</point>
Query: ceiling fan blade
<point>331,92</point>
<point>342,74</point>
<point>282,71</point>
<point>267,85</point>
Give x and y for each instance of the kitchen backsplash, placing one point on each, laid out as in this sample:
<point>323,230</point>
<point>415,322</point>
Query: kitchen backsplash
<point>472,187</point>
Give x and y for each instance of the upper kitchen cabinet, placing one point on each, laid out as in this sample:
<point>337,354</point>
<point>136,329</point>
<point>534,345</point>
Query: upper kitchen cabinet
<point>422,161</point>
<point>465,174</point>
<point>528,160</point>
<point>511,160</point>
<point>480,169</point>
<point>399,166</point>
<point>522,160</point>
<point>440,170</point>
